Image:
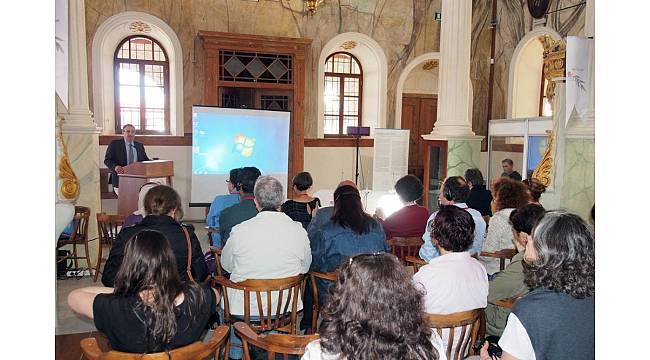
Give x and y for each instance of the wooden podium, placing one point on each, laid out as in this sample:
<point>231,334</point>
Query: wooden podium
<point>136,175</point>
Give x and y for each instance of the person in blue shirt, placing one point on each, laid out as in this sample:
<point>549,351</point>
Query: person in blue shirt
<point>454,191</point>
<point>221,202</point>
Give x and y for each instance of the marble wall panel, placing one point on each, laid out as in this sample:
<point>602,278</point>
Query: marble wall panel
<point>578,191</point>
<point>462,155</point>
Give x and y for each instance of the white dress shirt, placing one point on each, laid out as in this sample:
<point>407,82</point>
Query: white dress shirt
<point>268,246</point>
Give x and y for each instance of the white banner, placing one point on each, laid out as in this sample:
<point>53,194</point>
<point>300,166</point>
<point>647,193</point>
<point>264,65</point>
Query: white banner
<point>578,50</point>
<point>391,157</point>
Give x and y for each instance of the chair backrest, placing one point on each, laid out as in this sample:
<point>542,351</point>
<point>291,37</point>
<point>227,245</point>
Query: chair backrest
<point>273,343</point>
<point>502,255</point>
<point>108,226</point>
<point>463,330</point>
<point>313,275</point>
<point>81,217</point>
<point>405,246</point>
<point>278,317</point>
<point>415,262</point>
<point>195,350</point>
<point>217,259</point>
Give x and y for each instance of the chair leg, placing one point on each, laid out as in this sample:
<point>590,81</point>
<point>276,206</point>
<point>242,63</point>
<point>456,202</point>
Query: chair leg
<point>99,259</point>
<point>89,265</point>
<point>74,251</point>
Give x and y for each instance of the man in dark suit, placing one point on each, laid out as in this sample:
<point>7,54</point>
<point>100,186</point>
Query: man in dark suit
<point>123,152</point>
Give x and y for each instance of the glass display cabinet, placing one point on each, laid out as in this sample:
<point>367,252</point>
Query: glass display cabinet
<point>435,171</point>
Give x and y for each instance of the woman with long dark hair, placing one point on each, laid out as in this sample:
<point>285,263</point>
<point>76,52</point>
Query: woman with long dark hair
<point>164,210</point>
<point>556,319</point>
<point>350,231</point>
<point>150,309</point>
<point>375,312</point>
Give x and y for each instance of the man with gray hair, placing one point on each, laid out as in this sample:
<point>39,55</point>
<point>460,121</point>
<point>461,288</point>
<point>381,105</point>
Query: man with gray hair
<point>268,246</point>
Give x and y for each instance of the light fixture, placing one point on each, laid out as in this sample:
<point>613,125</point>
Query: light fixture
<point>312,5</point>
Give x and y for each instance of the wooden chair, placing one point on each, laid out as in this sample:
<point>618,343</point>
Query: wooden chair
<point>280,318</point>
<point>502,255</point>
<point>273,343</point>
<point>313,275</point>
<point>415,262</point>
<point>464,331</point>
<point>195,350</point>
<point>404,246</point>
<point>79,236</point>
<point>217,258</point>
<point>108,226</point>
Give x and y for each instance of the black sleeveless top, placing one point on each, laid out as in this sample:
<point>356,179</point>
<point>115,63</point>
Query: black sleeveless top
<point>299,211</point>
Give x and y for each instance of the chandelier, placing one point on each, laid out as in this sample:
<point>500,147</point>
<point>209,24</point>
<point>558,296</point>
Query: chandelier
<point>312,5</point>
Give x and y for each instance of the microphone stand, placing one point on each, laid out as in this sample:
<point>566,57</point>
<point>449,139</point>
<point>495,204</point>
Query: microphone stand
<point>356,172</point>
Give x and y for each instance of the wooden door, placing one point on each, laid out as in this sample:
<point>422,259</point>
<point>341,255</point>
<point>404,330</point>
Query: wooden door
<point>418,115</point>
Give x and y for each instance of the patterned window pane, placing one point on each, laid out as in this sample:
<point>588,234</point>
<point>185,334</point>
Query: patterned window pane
<point>355,67</point>
<point>129,96</point>
<point>351,106</point>
<point>155,119</point>
<point>349,121</point>
<point>129,74</point>
<point>351,87</point>
<point>154,97</point>
<point>130,116</point>
<point>331,124</point>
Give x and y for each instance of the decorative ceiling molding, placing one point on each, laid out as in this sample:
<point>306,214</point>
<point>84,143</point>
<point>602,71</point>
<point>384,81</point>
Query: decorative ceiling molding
<point>430,65</point>
<point>349,45</point>
<point>140,27</point>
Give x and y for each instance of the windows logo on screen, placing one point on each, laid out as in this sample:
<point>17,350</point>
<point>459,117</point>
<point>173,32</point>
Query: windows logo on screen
<point>244,145</point>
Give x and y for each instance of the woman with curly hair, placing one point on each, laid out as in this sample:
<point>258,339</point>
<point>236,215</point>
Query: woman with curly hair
<point>508,195</point>
<point>556,319</point>
<point>535,189</point>
<point>150,309</point>
<point>374,312</point>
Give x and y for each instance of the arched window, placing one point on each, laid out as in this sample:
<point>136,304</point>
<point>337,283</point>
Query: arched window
<point>343,89</point>
<point>142,85</point>
<point>545,107</point>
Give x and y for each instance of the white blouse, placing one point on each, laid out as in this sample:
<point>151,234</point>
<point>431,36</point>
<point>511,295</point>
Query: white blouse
<point>313,350</point>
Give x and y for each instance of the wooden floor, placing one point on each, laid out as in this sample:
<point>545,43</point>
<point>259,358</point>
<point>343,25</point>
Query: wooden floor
<point>67,346</point>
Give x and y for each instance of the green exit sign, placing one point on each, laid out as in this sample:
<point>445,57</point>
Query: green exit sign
<point>437,16</point>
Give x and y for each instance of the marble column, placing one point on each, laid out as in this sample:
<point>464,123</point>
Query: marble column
<point>453,122</point>
<point>80,132</point>
<point>454,95</point>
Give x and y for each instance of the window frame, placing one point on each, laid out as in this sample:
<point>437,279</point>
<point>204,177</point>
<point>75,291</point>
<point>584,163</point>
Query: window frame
<point>342,77</point>
<point>141,64</point>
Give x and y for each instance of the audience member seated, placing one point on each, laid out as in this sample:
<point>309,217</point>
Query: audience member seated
<point>221,202</point>
<point>349,232</point>
<point>509,283</point>
<point>556,319</point>
<point>140,213</point>
<point>454,191</point>
<point>243,211</point>
<point>375,313</point>
<point>535,189</point>
<point>323,215</point>
<point>480,197</point>
<point>508,195</point>
<point>453,281</point>
<point>164,211</point>
<point>150,309</point>
<point>411,220</point>
<point>302,206</point>
<point>268,246</point>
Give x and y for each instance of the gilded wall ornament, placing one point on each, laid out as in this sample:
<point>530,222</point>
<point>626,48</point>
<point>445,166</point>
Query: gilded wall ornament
<point>554,62</point>
<point>349,45</point>
<point>430,65</point>
<point>140,27</point>
<point>544,170</point>
<point>69,182</point>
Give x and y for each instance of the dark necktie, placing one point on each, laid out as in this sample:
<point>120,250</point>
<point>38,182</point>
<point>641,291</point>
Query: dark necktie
<point>130,159</point>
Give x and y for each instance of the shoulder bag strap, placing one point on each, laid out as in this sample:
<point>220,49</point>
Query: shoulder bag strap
<point>189,253</point>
